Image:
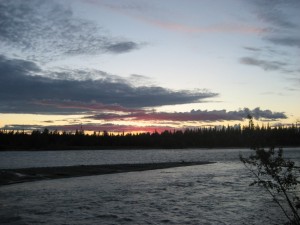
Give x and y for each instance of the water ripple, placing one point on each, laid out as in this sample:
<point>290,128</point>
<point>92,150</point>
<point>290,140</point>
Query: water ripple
<point>206,194</point>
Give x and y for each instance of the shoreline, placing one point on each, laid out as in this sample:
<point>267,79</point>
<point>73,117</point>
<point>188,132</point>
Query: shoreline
<point>132,148</point>
<point>108,148</point>
<point>14,176</point>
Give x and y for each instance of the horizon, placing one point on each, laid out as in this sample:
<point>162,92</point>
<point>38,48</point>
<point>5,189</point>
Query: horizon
<point>73,130</point>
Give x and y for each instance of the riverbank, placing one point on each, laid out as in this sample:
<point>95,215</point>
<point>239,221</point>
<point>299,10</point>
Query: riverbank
<point>13,176</point>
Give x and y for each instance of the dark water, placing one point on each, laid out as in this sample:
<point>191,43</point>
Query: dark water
<point>205,194</point>
<point>23,159</point>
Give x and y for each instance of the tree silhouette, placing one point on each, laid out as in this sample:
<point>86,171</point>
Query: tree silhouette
<point>212,137</point>
<point>278,176</point>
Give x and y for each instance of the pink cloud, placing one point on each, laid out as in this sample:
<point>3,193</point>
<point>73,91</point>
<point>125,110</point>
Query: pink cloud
<point>179,27</point>
<point>222,28</point>
<point>117,128</point>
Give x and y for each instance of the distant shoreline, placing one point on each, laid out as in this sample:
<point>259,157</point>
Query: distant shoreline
<point>118,148</point>
<point>223,137</point>
<point>130,148</point>
<point>14,176</point>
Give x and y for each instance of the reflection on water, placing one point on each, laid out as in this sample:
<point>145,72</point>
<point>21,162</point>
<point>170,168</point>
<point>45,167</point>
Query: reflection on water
<point>205,194</point>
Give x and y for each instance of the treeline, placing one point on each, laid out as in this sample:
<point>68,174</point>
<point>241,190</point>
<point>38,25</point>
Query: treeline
<point>190,138</point>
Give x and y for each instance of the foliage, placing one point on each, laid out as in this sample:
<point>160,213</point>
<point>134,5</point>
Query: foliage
<point>211,137</point>
<point>278,176</point>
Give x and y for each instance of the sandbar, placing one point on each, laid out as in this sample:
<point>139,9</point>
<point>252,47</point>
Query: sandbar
<point>13,176</point>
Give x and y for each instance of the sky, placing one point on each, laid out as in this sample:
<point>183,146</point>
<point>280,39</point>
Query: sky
<point>145,66</point>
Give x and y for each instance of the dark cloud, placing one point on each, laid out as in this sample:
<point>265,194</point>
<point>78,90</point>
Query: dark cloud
<point>25,90</point>
<point>264,64</point>
<point>22,127</point>
<point>286,41</point>
<point>122,47</point>
<point>281,19</point>
<point>193,116</point>
<point>252,49</point>
<point>49,121</point>
<point>278,13</point>
<point>257,113</point>
<point>45,29</point>
<point>91,106</point>
<point>17,67</point>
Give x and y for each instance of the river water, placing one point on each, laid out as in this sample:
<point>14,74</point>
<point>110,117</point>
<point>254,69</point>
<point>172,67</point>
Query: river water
<point>205,194</point>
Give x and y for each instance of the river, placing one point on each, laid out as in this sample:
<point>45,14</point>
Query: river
<point>217,193</point>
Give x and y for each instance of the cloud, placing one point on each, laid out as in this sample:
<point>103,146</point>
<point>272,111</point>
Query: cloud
<point>140,80</point>
<point>109,121</point>
<point>222,28</point>
<point>281,18</point>
<point>109,127</point>
<point>257,113</point>
<point>192,116</point>
<point>92,106</point>
<point>264,64</point>
<point>279,14</point>
<point>122,47</point>
<point>45,29</point>
<point>252,49</point>
<point>48,121</point>
<point>23,127</point>
<point>144,12</point>
<point>286,41</point>
<point>26,89</point>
